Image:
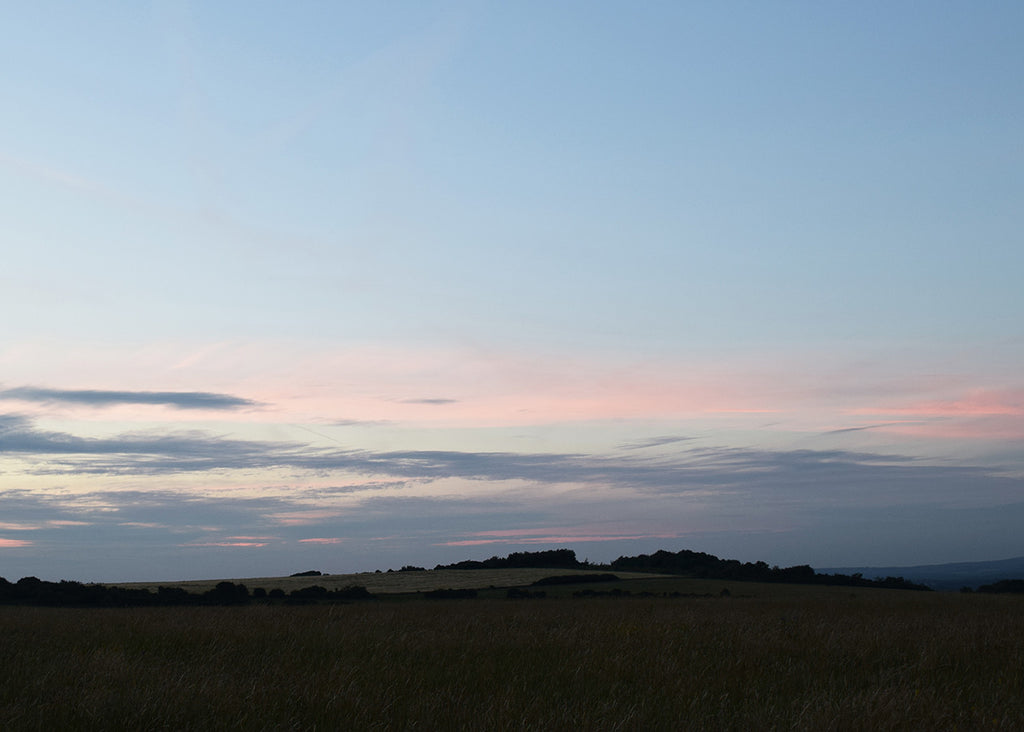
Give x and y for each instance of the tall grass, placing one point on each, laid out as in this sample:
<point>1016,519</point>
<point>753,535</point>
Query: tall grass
<point>931,662</point>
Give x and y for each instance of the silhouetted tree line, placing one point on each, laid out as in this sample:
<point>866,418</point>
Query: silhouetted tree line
<point>34,591</point>
<point>316,593</point>
<point>450,594</point>
<point>551,558</point>
<point>688,563</point>
<point>699,564</point>
<point>1006,585</point>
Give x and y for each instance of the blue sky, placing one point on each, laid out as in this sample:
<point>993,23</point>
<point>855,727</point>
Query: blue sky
<point>348,286</point>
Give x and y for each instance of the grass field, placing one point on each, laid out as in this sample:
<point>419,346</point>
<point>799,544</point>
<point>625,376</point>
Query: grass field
<point>392,582</point>
<point>776,657</point>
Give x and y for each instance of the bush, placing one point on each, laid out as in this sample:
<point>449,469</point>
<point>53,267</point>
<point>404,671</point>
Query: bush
<point>227,593</point>
<point>575,579</point>
<point>517,593</point>
<point>450,594</point>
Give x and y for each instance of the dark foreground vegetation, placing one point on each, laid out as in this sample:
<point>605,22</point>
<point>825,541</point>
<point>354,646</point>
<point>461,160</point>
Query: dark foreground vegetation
<point>34,591</point>
<point>810,659</point>
<point>1011,585</point>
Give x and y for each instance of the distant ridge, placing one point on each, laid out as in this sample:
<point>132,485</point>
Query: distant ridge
<point>945,576</point>
<point>691,564</point>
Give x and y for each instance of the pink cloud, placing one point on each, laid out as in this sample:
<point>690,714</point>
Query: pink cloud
<point>493,392</point>
<point>376,384</point>
<point>989,414</point>
<point>518,532</point>
<point>14,543</point>
<point>7,526</point>
<point>227,543</point>
<point>550,536</point>
<point>327,540</point>
<point>974,402</point>
<point>236,541</point>
<point>300,383</point>
<point>303,518</point>
<point>996,427</point>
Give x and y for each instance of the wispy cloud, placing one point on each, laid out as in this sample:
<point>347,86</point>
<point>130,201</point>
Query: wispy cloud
<point>654,442</point>
<point>555,539</point>
<point>822,496</point>
<point>104,398</point>
<point>14,543</point>
<point>554,535</point>
<point>134,453</point>
<point>37,525</point>
<point>430,401</point>
<point>978,414</point>
<point>227,543</point>
<point>91,187</point>
<point>323,540</point>
<point>688,470</point>
<point>972,403</point>
<point>863,428</point>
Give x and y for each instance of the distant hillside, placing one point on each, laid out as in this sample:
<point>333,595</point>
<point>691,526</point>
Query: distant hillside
<point>944,576</point>
<point>690,564</point>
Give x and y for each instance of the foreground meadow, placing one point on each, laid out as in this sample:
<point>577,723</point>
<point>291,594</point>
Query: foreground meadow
<point>868,660</point>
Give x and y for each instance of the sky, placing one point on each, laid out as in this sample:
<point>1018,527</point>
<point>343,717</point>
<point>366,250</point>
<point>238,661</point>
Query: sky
<point>350,286</point>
